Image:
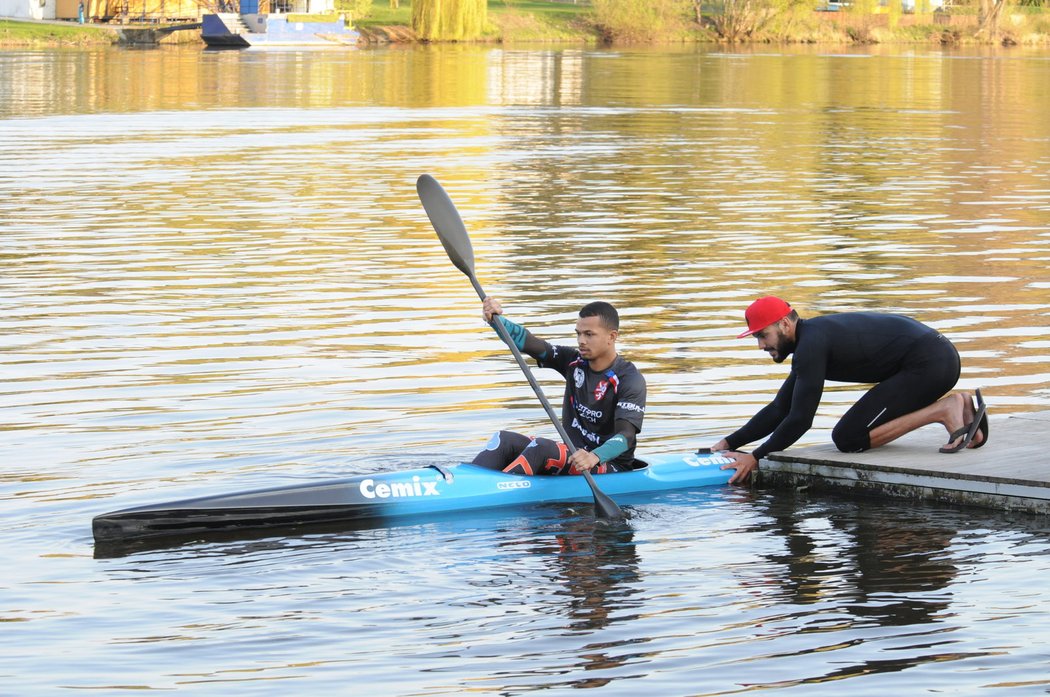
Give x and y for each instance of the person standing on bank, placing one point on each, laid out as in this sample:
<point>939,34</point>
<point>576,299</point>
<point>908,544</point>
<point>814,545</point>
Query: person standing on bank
<point>603,406</point>
<point>912,365</point>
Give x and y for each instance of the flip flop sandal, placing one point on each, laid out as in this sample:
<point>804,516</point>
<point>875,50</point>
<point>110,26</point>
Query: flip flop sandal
<point>961,433</point>
<point>982,426</point>
<point>966,432</point>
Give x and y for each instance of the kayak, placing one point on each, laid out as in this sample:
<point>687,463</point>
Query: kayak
<point>387,496</point>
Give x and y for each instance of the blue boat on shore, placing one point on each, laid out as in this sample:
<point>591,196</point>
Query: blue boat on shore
<point>250,28</point>
<point>384,497</point>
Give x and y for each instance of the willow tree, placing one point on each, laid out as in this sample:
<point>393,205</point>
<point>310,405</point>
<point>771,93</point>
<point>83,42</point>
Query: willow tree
<point>449,20</point>
<point>988,12</point>
<point>741,20</point>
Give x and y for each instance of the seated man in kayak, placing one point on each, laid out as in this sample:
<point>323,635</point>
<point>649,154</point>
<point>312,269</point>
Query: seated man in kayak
<point>603,405</point>
<point>912,364</point>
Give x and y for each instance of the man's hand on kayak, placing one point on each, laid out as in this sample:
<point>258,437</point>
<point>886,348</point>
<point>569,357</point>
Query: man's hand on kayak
<point>490,307</point>
<point>743,463</point>
<point>582,460</point>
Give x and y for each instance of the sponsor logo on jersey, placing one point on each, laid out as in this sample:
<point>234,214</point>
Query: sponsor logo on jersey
<point>370,489</point>
<point>588,413</point>
<point>630,406</point>
<point>524,484</point>
<point>592,437</point>
<point>577,376</point>
<point>600,389</point>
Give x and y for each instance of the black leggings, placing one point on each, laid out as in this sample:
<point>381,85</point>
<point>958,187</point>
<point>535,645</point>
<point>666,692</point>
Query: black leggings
<point>929,371</point>
<point>514,453</point>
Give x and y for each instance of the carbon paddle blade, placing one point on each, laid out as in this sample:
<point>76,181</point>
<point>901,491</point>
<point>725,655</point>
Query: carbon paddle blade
<point>604,507</point>
<point>447,223</point>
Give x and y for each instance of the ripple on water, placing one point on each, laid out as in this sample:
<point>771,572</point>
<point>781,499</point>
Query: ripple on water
<point>207,289</point>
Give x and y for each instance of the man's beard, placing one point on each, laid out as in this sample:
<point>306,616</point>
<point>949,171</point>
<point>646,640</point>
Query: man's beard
<point>784,348</point>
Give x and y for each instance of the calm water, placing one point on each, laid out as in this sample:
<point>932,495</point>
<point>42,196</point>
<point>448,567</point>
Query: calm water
<point>215,275</point>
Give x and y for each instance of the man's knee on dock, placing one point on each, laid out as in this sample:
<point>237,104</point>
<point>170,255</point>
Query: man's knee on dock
<point>850,440</point>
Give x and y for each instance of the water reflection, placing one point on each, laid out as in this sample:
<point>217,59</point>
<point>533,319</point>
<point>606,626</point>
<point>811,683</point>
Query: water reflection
<point>598,565</point>
<point>592,579</point>
<point>881,565</point>
<point>543,598</point>
<point>886,570</point>
<point>215,276</point>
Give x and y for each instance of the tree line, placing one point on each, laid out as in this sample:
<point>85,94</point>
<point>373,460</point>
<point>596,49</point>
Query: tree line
<point>653,20</point>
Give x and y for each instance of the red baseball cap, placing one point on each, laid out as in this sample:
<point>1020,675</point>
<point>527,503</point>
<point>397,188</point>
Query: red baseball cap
<point>764,312</point>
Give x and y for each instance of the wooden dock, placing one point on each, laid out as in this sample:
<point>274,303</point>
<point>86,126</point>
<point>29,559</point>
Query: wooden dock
<point>1012,472</point>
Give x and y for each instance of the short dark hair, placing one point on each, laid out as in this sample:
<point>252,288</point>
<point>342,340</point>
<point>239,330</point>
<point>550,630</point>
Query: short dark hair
<point>607,313</point>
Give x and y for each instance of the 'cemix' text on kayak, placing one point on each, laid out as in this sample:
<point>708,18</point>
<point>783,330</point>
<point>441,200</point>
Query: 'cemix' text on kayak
<point>370,490</point>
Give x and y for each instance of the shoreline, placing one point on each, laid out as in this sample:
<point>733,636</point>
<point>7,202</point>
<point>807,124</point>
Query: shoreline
<point>28,33</point>
<point>510,28</point>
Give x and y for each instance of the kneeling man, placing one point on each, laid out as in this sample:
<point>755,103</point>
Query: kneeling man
<point>912,365</point>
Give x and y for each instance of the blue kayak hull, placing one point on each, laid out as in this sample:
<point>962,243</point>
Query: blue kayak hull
<point>387,496</point>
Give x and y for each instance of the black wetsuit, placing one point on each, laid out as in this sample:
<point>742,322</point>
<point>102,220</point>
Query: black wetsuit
<point>913,365</point>
<point>594,401</point>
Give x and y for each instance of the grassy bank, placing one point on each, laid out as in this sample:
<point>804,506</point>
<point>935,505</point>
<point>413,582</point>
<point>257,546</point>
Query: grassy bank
<point>512,21</point>
<point>509,21</point>
<point>542,21</point>
<point>39,34</point>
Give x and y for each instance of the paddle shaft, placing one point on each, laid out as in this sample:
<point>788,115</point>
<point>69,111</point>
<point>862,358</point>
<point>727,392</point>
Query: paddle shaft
<point>503,334</point>
<point>454,238</point>
<point>602,503</point>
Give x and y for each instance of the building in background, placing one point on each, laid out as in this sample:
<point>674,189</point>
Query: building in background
<point>27,9</point>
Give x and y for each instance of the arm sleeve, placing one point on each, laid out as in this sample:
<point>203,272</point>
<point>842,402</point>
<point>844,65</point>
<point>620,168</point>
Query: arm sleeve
<point>524,339</point>
<point>620,443</point>
<point>767,419</point>
<point>805,398</point>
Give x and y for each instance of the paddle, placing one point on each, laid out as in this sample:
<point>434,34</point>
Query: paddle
<point>454,238</point>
